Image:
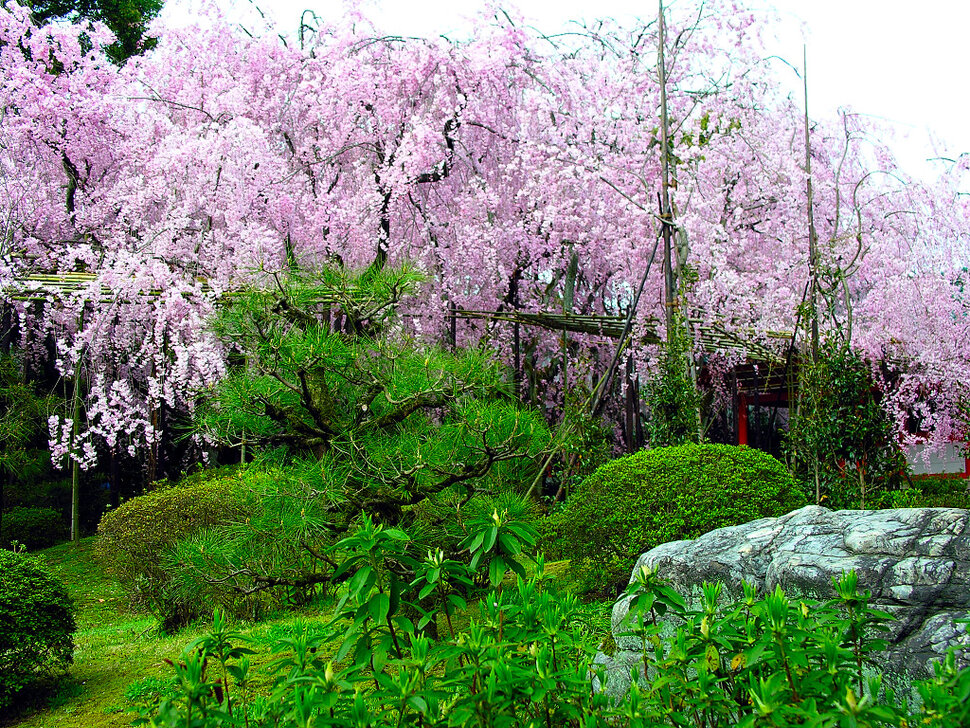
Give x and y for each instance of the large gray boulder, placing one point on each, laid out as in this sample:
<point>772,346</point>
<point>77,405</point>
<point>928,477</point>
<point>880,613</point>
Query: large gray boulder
<point>915,561</point>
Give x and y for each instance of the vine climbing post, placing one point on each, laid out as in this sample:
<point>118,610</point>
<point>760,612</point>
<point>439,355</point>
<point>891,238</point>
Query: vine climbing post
<point>666,216</point>
<point>812,234</point>
<point>812,259</point>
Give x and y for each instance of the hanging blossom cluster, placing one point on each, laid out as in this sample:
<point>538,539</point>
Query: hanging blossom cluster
<point>518,171</point>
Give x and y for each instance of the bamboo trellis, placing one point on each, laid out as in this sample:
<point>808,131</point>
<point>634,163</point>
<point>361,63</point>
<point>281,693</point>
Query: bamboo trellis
<point>710,336</point>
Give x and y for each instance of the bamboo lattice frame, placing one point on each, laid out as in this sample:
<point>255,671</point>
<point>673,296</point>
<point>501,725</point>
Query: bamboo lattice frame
<point>48,286</point>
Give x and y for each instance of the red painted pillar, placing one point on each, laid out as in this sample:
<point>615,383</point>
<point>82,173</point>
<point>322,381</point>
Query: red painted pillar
<point>742,419</point>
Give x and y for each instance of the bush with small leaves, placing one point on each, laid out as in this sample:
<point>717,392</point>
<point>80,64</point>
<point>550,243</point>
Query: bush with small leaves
<point>133,538</point>
<point>36,624</point>
<point>33,528</point>
<point>636,502</point>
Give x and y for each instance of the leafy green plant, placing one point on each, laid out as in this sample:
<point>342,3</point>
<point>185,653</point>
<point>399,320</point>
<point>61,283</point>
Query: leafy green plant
<point>36,624</point>
<point>672,396</point>
<point>33,528</point>
<point>762,661</point>
<point>840,438</point>
<point>526,660</point>
<point>146,692</point>
<point>636,502</point>
<point>442,521</point>
<point>496,543</point>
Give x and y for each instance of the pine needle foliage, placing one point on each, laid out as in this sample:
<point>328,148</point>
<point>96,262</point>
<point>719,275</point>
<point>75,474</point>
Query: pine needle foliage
<point>359,421</point>
<point>329,376</point>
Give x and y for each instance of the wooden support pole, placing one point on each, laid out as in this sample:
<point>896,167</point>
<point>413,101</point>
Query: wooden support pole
<point>517,358</point>
<point>453,328</point>
<point>631,425</point>
<point>666,215</point>
<point>812,234</point>
<point>75,467</point>
<point>742,419</point>
<point>75,433</point>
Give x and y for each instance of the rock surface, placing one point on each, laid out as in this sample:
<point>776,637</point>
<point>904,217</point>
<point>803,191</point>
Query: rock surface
<point>915,561</point>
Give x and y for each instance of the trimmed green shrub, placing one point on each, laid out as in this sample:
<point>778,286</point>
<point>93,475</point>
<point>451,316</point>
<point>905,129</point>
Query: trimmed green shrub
<point>36,624</point>
<point>35,528</point>
<point>636,502</point>
<point>133,538</point>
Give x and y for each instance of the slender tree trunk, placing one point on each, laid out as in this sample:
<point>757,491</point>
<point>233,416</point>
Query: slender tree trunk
<point>818,483</point>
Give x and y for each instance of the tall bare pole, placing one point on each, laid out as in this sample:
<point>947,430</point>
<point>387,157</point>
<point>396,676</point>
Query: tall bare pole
<point>75,433</point>
<point>812,258</point>
<point>666,216</point>
<point>812,235</point>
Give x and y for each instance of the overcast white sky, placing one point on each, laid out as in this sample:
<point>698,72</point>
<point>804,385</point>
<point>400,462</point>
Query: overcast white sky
<point>903,62</point>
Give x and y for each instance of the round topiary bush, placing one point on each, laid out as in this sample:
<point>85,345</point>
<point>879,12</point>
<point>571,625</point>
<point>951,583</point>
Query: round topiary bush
<point>133,538</point>
<point>636,502</point>
<point>36,624</point>
<point>33,528</point>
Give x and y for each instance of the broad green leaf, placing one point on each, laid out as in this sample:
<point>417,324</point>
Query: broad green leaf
<point>380,605</point>
<point>496,570</point>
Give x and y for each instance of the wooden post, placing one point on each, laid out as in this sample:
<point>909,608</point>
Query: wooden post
<point>75,467</point>
<point>742,419</point>
<point>569,293</point>
<point>6,329</point>
<point>631,425</point>
<point>153,449</point>
<point>666,216</point>
<point>517,357</point>
<point>812,234</point>
<point>242,444</point>
<point>453,328</point>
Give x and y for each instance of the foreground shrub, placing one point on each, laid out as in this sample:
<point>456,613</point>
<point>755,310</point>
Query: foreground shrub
<point>34,528</point>
<point>527,660</point>
<point>36,624</point>
<point>634,503</point>
<point>133,538</point>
